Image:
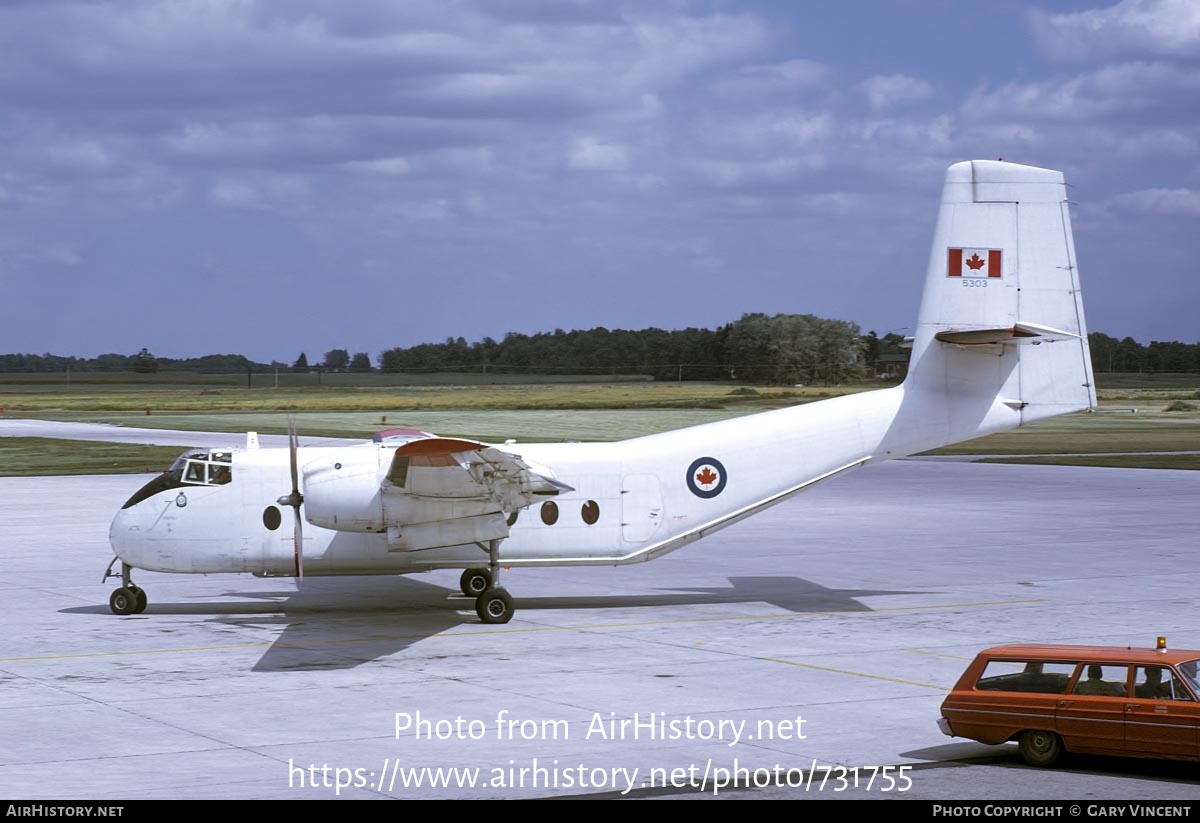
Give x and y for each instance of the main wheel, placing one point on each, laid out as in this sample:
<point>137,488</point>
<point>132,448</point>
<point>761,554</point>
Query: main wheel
<point>122,601</point>
<point>140,599</point>
<point>494,606</point>
<point>1040,748</point>
<point>475,582</point>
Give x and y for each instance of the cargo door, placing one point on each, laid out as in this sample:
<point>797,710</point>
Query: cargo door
<point>641,507</point>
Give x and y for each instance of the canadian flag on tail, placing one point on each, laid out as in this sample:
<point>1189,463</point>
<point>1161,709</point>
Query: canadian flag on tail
<point>973,263</point>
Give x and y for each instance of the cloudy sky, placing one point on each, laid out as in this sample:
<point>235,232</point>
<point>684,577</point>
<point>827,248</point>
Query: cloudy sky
<point>267,177</point>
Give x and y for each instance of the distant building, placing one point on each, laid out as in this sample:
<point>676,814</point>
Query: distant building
<point>888,367</point>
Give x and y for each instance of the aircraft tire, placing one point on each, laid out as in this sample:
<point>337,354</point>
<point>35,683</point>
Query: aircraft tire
<point>494,606</point>
<point>140,599</point>
<point>122,601</point>
<point>475,582</point>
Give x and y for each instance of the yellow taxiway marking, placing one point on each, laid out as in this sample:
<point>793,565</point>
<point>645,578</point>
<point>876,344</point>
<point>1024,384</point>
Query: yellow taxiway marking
<point>940,654</point>
<point>533,630</point>
<point>856,673</point>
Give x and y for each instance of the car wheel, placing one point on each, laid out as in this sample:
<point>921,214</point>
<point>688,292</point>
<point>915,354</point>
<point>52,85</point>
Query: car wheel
<point>1040,748</point>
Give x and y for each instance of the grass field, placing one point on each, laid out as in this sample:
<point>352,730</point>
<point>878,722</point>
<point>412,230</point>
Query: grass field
<point>1131,427</point>
<point>1112,428</point>
<point>26,456</point>
<point>1112,461</point>
<point>84,403</point>
<point>284,379</point>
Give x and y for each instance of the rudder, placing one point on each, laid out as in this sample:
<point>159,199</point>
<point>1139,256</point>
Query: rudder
<point>1001,331</point>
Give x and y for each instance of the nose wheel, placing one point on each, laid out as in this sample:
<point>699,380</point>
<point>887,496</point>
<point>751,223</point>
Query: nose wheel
<point>129,598</point>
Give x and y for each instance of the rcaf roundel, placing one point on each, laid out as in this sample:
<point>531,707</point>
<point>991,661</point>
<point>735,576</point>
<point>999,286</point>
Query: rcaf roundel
<point>706,477</point>
<point>974,263</point>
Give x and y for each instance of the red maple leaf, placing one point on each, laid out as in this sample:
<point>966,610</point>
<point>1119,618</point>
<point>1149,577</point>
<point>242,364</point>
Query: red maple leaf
<point>706,477</point>
<point>975,262</point>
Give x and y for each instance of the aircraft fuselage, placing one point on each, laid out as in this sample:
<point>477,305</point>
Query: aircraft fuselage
<point>631,500</point>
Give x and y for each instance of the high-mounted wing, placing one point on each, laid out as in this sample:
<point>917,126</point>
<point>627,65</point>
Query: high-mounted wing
<point>442,491</point>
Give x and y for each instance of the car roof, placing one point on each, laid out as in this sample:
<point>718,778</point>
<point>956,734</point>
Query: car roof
<point>1096,654</point>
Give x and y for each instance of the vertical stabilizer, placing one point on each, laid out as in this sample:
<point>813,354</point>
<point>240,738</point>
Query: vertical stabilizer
<point>1001,335</point>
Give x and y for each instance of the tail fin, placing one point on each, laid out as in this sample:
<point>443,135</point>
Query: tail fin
<point>1001,334</point>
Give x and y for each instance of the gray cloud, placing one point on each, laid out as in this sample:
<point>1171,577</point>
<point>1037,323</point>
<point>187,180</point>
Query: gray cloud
<point>513,151</point>
<point>1113,93</point>
<point>1170,202</point>
<point>884,90</point>
<point>1143,27</point>
<point>788,76</point>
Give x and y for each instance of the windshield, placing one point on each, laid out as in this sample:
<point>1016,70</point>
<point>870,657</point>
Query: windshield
<point>195,467</point>
<point>1191,673</point>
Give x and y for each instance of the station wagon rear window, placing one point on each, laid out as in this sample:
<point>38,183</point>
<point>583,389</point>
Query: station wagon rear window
<point>1032,676</point>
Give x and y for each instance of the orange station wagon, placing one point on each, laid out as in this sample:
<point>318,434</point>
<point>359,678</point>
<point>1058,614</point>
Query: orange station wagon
<point>1082,699</point>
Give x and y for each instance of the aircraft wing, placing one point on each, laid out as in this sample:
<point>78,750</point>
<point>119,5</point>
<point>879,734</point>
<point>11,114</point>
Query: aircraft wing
<point>450,468</point>
<point>444,491</point>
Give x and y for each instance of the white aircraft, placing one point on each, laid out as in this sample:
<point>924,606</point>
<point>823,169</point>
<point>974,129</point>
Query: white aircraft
<point>1000,342</point>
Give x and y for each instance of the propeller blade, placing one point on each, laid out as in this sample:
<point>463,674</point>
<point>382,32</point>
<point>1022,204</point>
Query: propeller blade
<point>298,543</point>
<point>294,500</point>
<point>293,442</point>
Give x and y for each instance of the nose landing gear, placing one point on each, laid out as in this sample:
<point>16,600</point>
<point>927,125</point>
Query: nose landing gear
<point>129,598</point>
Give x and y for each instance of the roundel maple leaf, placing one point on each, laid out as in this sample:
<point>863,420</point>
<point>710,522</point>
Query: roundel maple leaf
<point>706,477</point>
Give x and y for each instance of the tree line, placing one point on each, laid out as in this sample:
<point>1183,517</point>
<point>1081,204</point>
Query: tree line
<point>784,348</point>
<point>1128,355</point>
<point>757,348</point>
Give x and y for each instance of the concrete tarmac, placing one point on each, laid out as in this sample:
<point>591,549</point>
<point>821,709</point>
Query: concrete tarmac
<point>824,631</point>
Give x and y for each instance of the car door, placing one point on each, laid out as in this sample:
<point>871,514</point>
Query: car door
<point>1161,718</point>
<point>1091,717</point>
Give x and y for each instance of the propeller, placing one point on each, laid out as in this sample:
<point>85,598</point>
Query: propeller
<point>294,500</point>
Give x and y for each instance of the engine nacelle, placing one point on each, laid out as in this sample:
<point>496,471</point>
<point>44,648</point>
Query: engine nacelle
<point>344,494</point>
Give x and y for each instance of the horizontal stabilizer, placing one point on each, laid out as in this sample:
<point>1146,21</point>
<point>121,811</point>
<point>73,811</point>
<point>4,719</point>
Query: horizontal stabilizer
<point>1016,334</point>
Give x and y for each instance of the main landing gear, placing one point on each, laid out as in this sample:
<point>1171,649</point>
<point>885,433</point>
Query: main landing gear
<point>129,598</point>
<point>475,582</point>
<point>492,603</point>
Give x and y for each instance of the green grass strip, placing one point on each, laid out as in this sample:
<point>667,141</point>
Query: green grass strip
<point>37,456</point>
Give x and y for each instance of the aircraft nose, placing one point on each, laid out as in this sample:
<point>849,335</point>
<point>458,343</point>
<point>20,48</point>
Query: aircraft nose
<point>121,535</point>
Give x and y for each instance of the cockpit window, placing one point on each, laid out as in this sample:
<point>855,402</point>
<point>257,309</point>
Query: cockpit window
<point>207,468</point>
<point>192,468</point>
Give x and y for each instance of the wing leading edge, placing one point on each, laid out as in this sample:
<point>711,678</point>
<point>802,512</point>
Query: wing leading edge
<point>448,491</point>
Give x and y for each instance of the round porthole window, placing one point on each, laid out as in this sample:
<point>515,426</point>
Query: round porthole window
<point>272,518</point>
<point>549,512</point>
<point>590,512</point>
